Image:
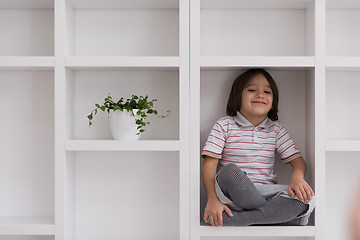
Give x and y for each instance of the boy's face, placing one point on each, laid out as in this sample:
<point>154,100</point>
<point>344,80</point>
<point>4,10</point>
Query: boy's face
<point>257,98</point>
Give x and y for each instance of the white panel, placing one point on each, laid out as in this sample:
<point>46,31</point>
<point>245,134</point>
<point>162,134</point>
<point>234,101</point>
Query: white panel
<point>310,127</point>
<point>343,4</point>
<point>126,32</point>
<point>125,4</point>
<point>254,238</point>
<point>253,32</point>
<point>9,237</point>
<point>257,231</point>
<point>342,109</point>
<point>69,30</point>
<point>94,86</point>
<point>342,185</point>
<point>27,143</point>
<point>31,4</point>
<point>256,4</point>
<point>27,226</point>
<point>31,63</point>
<point>91,62</point>
<point>342,33</point>
<point>310,30</point>
<point>115,145</point>
<point>26,32</point>
<point>126,196</point>
<point>257,61</point>
<point>69,103</point>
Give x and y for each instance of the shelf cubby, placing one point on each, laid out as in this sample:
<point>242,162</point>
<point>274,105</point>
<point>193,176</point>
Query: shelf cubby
<point>342,19</point>
<point>111,191</point>
<point>27,154</point>
<point>86,87</point>
<point>225,28</point>
<point>342,187</point>
<point>154,28</point>
<point>27,28</point>
<point>341,104</point>
<point>296,112</point>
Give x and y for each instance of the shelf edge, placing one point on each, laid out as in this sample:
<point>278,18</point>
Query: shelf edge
<point>27,62</point>
<point>257,61</point>
<point>113,145</point>
<point>342,145</point>
<point>27,226</point>
<point>132,61</point>
<point>278,231</point>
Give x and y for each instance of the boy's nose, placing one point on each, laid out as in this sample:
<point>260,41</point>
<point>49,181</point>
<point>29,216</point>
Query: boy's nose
<point>259,95</point>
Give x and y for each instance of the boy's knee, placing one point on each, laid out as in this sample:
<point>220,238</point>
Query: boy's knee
<point>231,170</point>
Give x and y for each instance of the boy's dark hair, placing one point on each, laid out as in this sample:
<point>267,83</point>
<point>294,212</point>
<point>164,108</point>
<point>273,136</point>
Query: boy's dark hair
<point>234,102</point>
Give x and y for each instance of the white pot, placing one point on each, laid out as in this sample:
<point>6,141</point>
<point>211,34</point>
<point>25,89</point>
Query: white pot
<point>123,126</point>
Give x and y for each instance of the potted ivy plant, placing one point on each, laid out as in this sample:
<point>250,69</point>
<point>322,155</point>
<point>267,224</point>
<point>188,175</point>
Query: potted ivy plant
<point>127,117</point>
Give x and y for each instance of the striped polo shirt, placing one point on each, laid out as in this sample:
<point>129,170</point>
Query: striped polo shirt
<point>253,149</point>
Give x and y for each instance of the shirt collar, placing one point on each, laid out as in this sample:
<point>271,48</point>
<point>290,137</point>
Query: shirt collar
<point>242,121</point>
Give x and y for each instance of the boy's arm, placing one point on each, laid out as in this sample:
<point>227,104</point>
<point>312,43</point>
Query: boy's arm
<point>298,185</point>
<point>214,207</point>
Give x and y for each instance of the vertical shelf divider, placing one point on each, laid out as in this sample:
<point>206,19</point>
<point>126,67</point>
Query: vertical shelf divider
<point>195,119</point>
<point>320,131</point>
<point>60,166</point>
<point>184,134</point>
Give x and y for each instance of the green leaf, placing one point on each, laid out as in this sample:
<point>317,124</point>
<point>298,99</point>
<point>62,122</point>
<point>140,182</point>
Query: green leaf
<point>102,108</point>
<point>97,105</point>
<point>90,117</point>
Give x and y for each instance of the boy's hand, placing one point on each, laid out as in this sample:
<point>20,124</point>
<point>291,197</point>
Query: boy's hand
<point>213,212</point>
<point>301,188</point>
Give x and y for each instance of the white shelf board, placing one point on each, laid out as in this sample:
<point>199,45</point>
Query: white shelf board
<point>125,4</point>
<point>259,231</point>
<point>80,62</point>
<point>27,4</point>
<point>114,145</point>
<point>342,145</point>
<point>26,63</point>
<point>27,226</point>
<point>342,63</point>
<point>257,4</point>
<point>343,4</point>
<point>257,61</point>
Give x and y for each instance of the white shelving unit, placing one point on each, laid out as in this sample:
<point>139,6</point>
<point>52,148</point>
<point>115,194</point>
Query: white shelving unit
<point>121,48</point>
<point>342,147</point>
<point>27,123</point>
<point>63,180</point>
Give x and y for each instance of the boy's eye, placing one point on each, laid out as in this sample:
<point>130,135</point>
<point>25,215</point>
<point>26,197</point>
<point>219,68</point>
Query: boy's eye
<point>267,92</point>
<point>251,90</point>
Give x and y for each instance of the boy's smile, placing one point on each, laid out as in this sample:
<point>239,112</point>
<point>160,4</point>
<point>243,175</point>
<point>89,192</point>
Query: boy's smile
<point>257,98</point>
